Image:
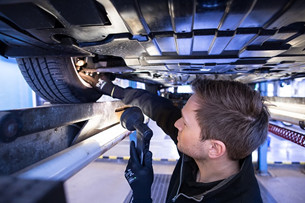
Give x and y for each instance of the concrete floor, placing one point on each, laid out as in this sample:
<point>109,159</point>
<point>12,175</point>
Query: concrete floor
<point>285,183</point>
<point>103,180</point>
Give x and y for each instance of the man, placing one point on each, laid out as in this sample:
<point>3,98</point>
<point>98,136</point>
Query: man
<point>222,123</point>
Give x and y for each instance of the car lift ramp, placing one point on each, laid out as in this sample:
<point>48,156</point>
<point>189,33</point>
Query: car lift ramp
<point>42,147</point>
<point>56,141</point>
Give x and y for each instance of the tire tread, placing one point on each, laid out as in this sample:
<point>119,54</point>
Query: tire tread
<point>47,78</point>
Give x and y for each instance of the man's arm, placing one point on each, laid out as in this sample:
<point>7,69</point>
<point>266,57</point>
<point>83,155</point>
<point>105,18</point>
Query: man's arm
<point>155,107</point>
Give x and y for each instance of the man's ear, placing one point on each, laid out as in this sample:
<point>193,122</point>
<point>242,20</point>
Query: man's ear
<point>217,149</point>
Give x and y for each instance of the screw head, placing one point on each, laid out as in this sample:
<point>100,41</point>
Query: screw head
<point>10,127</point>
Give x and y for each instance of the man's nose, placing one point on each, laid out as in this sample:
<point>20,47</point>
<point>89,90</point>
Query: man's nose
<point>178,124</point>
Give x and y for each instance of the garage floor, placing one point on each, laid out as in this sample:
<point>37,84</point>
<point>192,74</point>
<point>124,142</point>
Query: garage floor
<point>103,180</point>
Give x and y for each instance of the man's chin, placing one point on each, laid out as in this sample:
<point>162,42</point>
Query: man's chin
<point>179,147</point>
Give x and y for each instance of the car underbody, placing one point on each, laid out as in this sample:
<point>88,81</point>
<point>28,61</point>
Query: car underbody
<point>165,43</point>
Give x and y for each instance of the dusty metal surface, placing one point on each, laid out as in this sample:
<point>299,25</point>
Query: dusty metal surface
<point>38,119</point>
<point>16,190</point>
<point>29,149</point>
<point>65,121</point>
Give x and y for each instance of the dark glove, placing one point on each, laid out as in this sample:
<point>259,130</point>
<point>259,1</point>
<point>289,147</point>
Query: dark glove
<point>102,83</point>
<point>140,178</point>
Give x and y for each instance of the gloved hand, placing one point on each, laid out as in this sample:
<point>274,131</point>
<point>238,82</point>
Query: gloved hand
<point>93,78</point>
<point>102,83</point>
<point>140,178</point>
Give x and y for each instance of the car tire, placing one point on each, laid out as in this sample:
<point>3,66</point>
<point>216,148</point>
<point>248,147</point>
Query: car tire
<point>56,80</point>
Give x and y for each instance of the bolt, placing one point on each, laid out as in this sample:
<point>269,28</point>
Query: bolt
<point>302,124</point>
<point>80,63</point>
<point>12,129</point>
<point>9,127</point>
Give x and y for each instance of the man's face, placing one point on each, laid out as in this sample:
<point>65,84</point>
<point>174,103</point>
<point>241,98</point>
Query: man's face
<point>189,139</point>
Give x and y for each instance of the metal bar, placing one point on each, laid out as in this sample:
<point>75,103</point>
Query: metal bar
<point>66,163</point>
<point>290,110</point>
<point>288,100</point>
<point>290,135</point>
<point>15,123</point>
<point>284,115</point>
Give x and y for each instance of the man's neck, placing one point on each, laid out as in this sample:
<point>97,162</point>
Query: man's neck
<point>216,169</point>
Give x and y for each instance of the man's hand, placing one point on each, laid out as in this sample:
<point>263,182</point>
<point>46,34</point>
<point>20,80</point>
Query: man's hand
<point>94,78</point>
<point>140,178</point>
<point>102,83</point>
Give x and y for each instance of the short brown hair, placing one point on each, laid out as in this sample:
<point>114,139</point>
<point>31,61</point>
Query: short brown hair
<point>233,113</point>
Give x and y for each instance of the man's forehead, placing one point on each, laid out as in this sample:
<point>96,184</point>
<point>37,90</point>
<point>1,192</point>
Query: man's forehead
<point>189,111</point>
<point>191,104</point>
